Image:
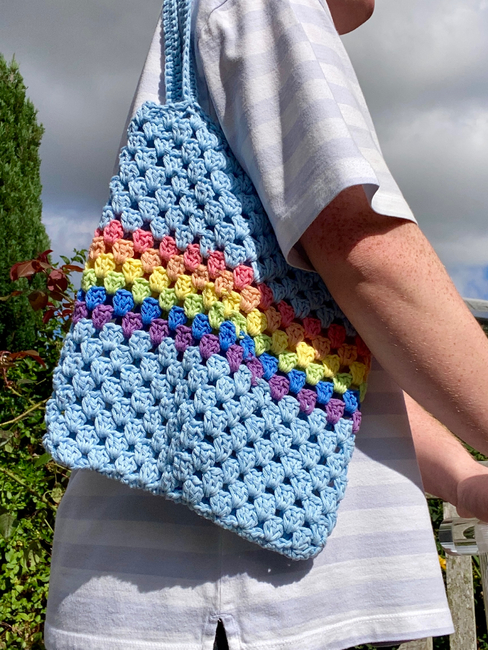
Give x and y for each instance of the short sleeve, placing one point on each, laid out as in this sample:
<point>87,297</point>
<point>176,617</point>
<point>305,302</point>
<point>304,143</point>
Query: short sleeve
<point>289,102</point>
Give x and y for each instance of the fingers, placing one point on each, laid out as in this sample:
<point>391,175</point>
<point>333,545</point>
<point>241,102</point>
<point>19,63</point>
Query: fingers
<point>472,495</point>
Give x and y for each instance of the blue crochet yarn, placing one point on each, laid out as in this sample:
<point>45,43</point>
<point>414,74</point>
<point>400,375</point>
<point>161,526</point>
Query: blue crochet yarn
<point>176,317</point>
<point>123,302</point>
<point>201,326</point>
<point>150,310</point>
<point>202,408</point>
<point>248,346</point>
<point>270,365</point>
<point>325,390</point>
<point>227,335</point>
<point>297,380</point>
<point>95,296</point>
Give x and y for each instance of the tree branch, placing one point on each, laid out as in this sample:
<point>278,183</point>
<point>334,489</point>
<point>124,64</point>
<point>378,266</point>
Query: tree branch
<point>23,415</point>
<point>16,478</point>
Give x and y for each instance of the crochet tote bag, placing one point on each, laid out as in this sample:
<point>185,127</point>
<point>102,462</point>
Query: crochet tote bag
<point>200,366</point>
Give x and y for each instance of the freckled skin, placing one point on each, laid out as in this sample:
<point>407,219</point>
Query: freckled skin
<point>392,286</point>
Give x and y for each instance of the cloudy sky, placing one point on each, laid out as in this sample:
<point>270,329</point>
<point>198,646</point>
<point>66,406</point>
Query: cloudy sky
<point>421,64</point>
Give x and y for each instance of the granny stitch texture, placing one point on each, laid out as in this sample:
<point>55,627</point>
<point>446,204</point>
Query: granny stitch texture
<point>200,365</point>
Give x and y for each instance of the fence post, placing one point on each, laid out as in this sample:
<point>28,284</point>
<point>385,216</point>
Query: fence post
<point>420,644</point>
<point>460,594</point>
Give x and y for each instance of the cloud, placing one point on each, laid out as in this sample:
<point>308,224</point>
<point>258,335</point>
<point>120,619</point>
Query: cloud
<point>421,52</point>
<point>81,62</point>
<point>440,158</point>
<point>471,281</point>
<point>70,228</point>
<point>422,69</point>
<point>421,64</point>
<point>466,249</point>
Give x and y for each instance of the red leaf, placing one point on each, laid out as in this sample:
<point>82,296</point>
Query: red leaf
<point>16,356</point>
<point>38,300</point>
<point>72,267</point>
<point>39,359</point>
<point>56,274</point>
<point>35,355</point>
<point>43,257</point>
<point>22,270</point>
<point>57,281</point>
<point>56,295</point>
<point>11,295</point>
<point>50,313</point>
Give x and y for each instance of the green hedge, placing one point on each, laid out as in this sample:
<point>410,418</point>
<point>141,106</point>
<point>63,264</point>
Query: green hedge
<point>22,232</point>
<point>31,486</point>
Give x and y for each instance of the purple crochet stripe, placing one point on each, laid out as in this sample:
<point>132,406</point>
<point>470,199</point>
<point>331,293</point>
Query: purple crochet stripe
<point>101,315</point>
<point>210,345</point>
<point>235,355</point>
<point>158,331</point>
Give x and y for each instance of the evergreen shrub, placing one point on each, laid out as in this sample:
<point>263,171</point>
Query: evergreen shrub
<point>22,233</point>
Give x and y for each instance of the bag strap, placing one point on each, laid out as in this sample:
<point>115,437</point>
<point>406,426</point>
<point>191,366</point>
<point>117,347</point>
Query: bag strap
<point>179,73</point>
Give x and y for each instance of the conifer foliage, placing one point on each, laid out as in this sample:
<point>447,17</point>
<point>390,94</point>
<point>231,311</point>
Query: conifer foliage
<point>22,234</point>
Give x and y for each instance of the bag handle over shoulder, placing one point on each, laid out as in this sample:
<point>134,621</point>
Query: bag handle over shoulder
<point>201,366</point>
<point>179,73</point>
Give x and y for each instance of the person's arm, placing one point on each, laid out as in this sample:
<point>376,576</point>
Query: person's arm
<point>391,285</point>
<point>448,470</point>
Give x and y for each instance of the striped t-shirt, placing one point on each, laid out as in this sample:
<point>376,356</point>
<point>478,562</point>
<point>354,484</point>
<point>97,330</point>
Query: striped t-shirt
<point>131,570</point>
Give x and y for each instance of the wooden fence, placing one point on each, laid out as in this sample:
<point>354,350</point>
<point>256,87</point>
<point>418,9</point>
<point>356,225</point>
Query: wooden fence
<point>460,594</point>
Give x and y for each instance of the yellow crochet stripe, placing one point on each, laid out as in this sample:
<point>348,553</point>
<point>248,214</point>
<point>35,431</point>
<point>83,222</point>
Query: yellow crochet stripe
<point>119,251</point>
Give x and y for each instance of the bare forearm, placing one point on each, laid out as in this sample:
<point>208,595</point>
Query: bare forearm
<point>393,288</point>
<point>442,459</point>
<point>448,470</point>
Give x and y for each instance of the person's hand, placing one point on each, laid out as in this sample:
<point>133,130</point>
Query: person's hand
<point>448,470</point>
<point>472,494</point>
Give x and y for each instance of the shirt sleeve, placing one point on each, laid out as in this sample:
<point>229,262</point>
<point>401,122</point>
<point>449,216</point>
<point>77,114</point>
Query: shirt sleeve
<point>289,102</point>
